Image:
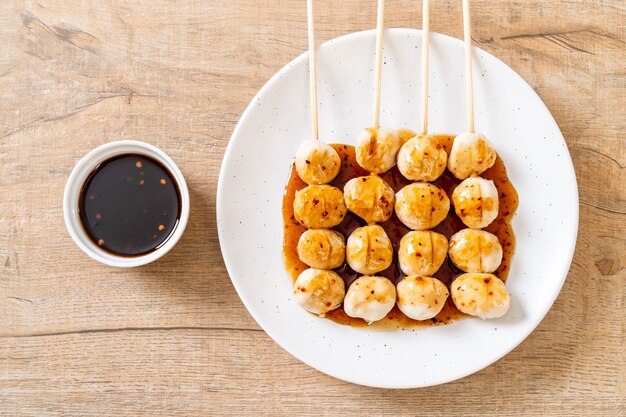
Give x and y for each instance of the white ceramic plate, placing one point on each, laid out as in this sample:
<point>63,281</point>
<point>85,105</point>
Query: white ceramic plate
<point>256,168</point>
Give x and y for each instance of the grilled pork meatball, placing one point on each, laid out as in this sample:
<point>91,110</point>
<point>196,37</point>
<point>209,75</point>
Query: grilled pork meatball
<point>319,206</point>
<point>421,206</point>
<point>421,298</point>
<point>422,158</point>
<point>322,248</point>
<point>370,298</point>
<point>475,251</point>
<point>317,162</point>
<point>476,202</point>
<point>480,295</point>
<point>369,250</point>
<point>370,198</point>
<point>471,154</point>
<point>422,252</point>
<point>376,149</point>
<point>319,291</point>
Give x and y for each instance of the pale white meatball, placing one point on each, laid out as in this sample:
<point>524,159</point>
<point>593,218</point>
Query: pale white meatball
<point>376,149</point>
<point>322,248</point>
<point>370,198</point>
<point>317,162</point>
<point>475,251</point>
<point>422,158</point>
<point>370,298</point>
<point>476,202</point>
<point>421,298</point>
<point>319,291</point>
<point>471,154</point>
<point>421,206</point>
<point>319,206</point>
<point>422,252</point>
<point>369,250</point>
<point>480,295</point>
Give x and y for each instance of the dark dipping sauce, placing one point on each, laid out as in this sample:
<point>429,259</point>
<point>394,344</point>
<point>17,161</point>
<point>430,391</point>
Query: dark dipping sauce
<point>129,205</point>
<point>395,319</point>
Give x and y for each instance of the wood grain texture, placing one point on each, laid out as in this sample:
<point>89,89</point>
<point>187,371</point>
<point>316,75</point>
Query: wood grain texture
<point>172,338</point>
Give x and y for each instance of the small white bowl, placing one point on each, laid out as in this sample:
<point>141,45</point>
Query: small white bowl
<point>78,177</point>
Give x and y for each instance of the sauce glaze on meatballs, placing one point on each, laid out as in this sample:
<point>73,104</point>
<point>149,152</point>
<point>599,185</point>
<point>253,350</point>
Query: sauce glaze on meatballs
<point>319,206</point>
<point>480,295</point>
<point>369,250</point>
<point>322,248</point>
<point>317,162</point>
<point>422,158</point>
<point>319,291</point>
<point>370,198</point>
<point>476,202</point>
<point>475,251</point>
<point>422,252</point>
<point>421,206</point>
<point>370,298</point>
<point>471,154</point>
<point>421,298</point>
<point>376,149</point>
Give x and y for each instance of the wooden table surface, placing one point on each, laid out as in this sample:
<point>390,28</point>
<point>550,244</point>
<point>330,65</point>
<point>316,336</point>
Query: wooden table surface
<point>172,338</point>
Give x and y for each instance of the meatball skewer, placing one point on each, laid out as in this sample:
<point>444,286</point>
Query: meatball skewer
<point>368,248</point>
<point>475,199</point>
<point>477,292</point>
<point>422,206</point>
<point>376,146</point>
<point>471,153</point>
<point>316,162</point>
<point>422,157</point>
<point>319,207</point>
<point>370,197</point>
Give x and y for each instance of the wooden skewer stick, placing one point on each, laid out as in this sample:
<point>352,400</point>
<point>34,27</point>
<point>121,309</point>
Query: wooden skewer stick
<point>312,71</point>
<point>425,48</point>
<point>379,61</point>
<point>469,85</point>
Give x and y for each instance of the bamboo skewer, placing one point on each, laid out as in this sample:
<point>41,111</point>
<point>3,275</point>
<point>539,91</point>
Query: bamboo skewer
<point>312,71</point>
<point>467,34</point>
<point>379,61</point>
<point>425,48</point>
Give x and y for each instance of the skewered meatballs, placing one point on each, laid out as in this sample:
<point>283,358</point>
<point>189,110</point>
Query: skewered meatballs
<point>370,198</point>
<point>480,295</point>
<point>370,298</point>
<point>322,248</point>
<point>421,298</point>
<point>422,158</point>
<point>476,202</point>
<point>317,162</point>
<point>376,149</point>
<point>471,154</point>
<point>422,252</point>
<point>319,206</point>
<point>319,291</point>
<point>475,251</point>
<point>369,250</point>
<point>421,206</point>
